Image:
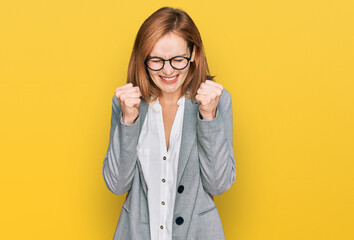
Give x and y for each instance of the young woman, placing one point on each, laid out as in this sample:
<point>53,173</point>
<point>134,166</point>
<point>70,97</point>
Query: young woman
<point>171,141</point>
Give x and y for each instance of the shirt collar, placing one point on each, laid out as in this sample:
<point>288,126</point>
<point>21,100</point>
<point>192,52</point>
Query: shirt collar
<point>180,101</point>
<point>155,105</point>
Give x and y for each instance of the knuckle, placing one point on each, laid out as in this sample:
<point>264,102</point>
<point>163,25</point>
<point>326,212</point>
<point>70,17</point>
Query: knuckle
<point>123,98</point>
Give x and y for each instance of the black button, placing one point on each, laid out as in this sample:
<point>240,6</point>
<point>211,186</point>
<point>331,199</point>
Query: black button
<point>164,158</point>
<point>163,180</point>
<point>180,189</point>
<point>179,220</point>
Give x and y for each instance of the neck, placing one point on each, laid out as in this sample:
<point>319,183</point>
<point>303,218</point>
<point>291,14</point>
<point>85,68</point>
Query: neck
<point>169,98</point>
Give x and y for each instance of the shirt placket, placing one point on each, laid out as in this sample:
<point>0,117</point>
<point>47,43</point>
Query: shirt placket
<point>164,192</point>
<point>164,179</point>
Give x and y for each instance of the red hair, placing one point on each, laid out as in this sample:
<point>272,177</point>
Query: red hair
<point>164,21</point>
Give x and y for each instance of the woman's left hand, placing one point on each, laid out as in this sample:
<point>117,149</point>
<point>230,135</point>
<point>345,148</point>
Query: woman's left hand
<point>208,96</point>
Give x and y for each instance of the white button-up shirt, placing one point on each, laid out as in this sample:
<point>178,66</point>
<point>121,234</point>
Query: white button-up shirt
<point>159,167</point>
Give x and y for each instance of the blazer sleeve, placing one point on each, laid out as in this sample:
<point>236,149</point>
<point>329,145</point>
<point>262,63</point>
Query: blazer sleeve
<point>215,148</point>
<point>120,160</point>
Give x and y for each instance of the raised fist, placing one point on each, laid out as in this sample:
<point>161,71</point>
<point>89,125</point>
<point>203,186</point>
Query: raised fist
<point>129,100</point>
<point>208,96</point>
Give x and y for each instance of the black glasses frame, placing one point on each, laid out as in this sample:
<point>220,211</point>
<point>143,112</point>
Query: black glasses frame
<point>170,60</point>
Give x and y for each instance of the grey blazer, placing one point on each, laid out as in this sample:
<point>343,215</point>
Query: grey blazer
<point>206,167</point>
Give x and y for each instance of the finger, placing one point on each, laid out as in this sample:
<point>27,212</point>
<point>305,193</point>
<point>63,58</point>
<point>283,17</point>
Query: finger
<point>128,85</point>
<point>130,95</point>
<point>138,90</point>
<point>207,85</point>
<point>131,90</point>
<point>128,92</point>
<point>132,102</point>
<point>200,99</point>
<point>206,90</point>
<point>209,91</point>
<point>203,85</point>
<point>125,98</point>
<point>201,91</point>
<point>124,87</point>
<point>217,85</point>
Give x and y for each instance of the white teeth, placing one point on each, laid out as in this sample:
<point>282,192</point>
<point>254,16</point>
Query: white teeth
<point>169,79</point>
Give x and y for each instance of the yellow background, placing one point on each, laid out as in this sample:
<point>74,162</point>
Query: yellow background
<point>287,64</point>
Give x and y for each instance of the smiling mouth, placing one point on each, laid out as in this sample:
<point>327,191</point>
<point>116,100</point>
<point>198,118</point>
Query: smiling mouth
<point>169,80</point>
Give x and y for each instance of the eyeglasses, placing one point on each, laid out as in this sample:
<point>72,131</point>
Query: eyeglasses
<point>157,63</point>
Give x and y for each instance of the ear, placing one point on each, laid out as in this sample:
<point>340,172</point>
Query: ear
<point>193,54</point>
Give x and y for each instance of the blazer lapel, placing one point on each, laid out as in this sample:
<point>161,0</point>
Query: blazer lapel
<point>189,132</point>
<point>143,108</point>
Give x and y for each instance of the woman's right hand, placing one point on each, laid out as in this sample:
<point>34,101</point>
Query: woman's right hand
<point>129,100</point>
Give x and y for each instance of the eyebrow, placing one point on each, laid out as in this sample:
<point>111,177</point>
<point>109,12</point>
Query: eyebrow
<point>185,54</point>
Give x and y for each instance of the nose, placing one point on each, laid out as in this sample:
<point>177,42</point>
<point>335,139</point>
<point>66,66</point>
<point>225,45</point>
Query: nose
<point>167,69</point>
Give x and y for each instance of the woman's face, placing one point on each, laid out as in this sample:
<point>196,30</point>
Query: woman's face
<point>168,79</point>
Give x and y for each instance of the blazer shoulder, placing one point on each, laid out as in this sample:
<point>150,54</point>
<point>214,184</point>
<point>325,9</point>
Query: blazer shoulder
<point>115,104</point>
<point>225,99</point>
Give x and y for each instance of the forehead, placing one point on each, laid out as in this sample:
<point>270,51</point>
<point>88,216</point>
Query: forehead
<point>169,46</point>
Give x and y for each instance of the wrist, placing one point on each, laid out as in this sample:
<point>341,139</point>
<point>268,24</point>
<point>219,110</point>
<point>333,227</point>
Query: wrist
<point>129,119</point>
<point>208,116</point>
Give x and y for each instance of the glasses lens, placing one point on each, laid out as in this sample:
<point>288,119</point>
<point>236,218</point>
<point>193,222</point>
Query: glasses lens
<point>179,62</point>
<point>155,63</point>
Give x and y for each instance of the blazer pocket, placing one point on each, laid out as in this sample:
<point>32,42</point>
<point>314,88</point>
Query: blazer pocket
<point>126,208</point>
<point>126,203</point>
<point>206,211</point>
